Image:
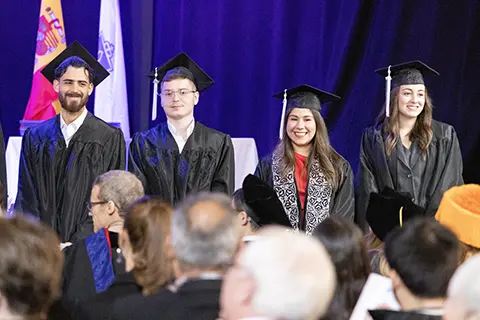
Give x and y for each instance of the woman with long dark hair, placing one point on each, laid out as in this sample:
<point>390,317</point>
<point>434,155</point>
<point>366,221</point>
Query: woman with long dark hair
<point>310,178</point>
<point>346,246</point>
<point>407,150</point>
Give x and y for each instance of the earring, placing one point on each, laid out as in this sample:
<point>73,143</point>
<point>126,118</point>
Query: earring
<point>119,258</point>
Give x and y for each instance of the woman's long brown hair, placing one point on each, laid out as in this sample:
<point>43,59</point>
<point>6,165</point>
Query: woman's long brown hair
<point>148,225</point>
<point>421,132</point>
<point>328,158</point>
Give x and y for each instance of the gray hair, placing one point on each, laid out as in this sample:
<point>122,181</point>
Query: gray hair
<point>464,286</point>
<point>294,275</point>
<point>207,245</point>
<point>121,187</point>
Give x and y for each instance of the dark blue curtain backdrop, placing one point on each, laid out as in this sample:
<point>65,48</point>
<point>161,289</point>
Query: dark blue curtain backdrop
<point>255,48</point>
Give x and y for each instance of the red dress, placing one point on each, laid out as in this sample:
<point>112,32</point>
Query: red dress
<point>301,182</point>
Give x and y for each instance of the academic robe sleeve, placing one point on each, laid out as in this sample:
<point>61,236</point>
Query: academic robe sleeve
<point>27,195</point>
<point>451,174</point>
<point>224,177</point>
<point>344,198</point>
<point>366,183</point>
<point>115,152</point>
<point>264,170</point>
<point>135,160</point>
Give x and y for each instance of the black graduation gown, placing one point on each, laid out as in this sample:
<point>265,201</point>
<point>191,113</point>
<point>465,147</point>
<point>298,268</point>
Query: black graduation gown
<point>340,203</point>
<point>55,181</point>
<point>206,163</point>
<point>91,266</point>
<point>195,299</point>
<point>3,173</point>
<point>441,170</point>
<point>100,305</point>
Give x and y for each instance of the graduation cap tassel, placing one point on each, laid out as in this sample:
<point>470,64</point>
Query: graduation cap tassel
<point>155,96</point>
<point>282,119</point>
<point>388,78</point>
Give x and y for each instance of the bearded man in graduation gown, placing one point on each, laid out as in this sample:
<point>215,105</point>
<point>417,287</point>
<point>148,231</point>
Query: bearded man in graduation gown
<point>182,156</point>
<point>62,156</point>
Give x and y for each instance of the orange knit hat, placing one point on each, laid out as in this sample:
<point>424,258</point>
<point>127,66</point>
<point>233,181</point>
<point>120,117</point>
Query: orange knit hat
<point>459,210</point>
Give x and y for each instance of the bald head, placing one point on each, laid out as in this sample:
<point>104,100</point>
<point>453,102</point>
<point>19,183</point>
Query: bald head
<point>205,234</point>
<point>205,215</point>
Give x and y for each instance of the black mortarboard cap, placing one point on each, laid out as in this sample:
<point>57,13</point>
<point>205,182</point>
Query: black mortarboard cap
<point>202,80</point>
<point>76,49</point>
<point>263,200</point>
<point>411,72</point>
<point>287,94</point>
<point>383,211</point>
<point>323,96</point>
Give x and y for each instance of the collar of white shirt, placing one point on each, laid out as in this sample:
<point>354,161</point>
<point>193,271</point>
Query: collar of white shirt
<point>68,130</point>
<point>178,138</point>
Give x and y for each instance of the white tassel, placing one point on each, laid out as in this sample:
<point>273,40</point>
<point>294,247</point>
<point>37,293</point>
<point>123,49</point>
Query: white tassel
<point>155,96</point>
<point>282,119</point>
<point>388,78</point>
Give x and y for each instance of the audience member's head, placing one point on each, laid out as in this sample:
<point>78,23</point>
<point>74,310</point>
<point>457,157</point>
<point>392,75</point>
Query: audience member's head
<point>459,210</point>
<point>205,234</point>
<point>144,244</point>
<point>463,301</point>
<point>30,268</point>
<point>281,275</point>
<point>112,193</point>
<point>245,213</point>
<point>346,246</point>
<point>423,256</point>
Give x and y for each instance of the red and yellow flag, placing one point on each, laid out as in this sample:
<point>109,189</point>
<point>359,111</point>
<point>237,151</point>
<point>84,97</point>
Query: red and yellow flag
<point>43,102</point>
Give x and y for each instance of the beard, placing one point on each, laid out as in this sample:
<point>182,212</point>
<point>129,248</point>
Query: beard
<point>73,106</point>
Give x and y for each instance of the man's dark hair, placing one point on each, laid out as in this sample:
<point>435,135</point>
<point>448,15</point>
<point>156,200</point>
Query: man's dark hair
<point>425,255</point>
<point>75,62</point>
<point>239,204</point>
<point>179,73</point>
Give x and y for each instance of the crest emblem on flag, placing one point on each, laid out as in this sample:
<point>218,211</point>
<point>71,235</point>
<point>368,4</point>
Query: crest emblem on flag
<point>50,33</point>
<point>106,51</point>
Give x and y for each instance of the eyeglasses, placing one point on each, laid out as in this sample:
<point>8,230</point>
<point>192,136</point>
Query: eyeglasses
<point>91,204</point>
<point>182,93</point>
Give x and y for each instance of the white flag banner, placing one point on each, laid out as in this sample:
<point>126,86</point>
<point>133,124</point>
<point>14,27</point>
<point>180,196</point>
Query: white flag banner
<point>111,102</point>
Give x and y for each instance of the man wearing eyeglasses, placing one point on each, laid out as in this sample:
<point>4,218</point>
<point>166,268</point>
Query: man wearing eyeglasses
<point>93,263</point>
<point>182,156</point>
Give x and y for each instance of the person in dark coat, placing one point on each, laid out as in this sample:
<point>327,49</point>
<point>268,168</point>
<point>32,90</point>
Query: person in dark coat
<point>310,178</point>
<point>182,156</point>
<point>205,238</point>
<point>407,150</point>
<point>92,264</point>
<point>62,156</point>
<point>148,258</point>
